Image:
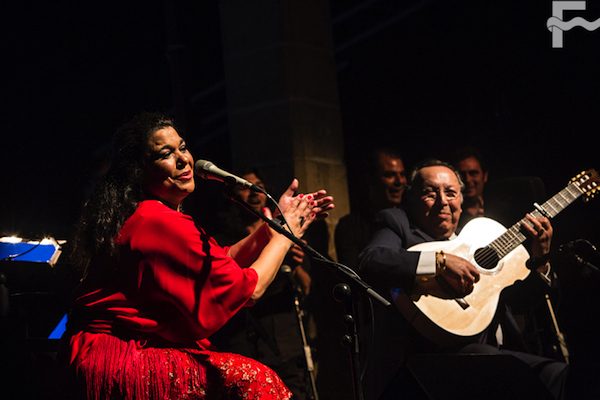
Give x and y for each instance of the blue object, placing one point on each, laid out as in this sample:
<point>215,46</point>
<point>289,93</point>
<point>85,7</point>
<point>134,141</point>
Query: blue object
<point>29,252</point>
<point>59,330</point>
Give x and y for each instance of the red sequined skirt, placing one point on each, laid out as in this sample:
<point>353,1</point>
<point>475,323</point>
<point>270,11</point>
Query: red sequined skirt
<point>106,367</point>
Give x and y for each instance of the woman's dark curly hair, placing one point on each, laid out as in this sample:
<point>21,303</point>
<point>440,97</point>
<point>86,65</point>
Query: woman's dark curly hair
<point>118,193</point>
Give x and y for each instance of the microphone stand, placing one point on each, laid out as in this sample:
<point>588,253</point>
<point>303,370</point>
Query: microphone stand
<point>343,294</point>
<point>352,338</point>
<point>310,367</point>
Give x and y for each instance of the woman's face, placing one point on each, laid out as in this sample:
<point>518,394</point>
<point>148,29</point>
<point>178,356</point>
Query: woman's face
<point>169,171</point>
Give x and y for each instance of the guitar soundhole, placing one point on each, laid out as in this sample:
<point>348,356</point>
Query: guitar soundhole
<point>486,257</point>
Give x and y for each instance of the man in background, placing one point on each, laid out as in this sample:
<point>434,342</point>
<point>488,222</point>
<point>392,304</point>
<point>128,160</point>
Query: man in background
<point>469,162</point>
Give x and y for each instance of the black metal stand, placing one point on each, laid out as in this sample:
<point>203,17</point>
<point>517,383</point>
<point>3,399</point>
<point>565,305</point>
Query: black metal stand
<point>344,290</point>
<point>4,297</point>
<point>310,366</point>
<point>343,294</point>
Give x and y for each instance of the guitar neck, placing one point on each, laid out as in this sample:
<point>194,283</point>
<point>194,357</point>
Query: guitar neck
<point>513,237</point>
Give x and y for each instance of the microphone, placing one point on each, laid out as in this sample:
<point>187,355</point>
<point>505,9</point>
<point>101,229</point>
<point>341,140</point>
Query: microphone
<point>567,248</point>
<point>207,170</point>
<point>583,262</point>
<point>571,248</point>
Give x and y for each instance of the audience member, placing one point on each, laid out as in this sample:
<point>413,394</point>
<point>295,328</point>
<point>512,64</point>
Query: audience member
<point>469,162</point>
<point>384,183</point>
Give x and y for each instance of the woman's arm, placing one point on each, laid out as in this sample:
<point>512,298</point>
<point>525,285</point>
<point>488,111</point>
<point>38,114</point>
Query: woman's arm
<point>265,249</point>
<point>299,212</point>
<point>247,250</point>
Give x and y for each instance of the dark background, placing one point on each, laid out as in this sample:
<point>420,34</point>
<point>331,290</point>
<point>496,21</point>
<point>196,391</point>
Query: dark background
<point>425,76</point>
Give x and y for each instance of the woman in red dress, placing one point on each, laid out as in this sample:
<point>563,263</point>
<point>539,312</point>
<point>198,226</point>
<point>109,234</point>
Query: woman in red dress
<point>155,286</point>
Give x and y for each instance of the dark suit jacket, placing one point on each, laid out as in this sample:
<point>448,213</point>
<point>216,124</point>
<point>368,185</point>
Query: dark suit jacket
<point>385,264</point>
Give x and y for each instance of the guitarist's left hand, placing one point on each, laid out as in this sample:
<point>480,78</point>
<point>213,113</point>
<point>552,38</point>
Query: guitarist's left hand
<point>540,231</point>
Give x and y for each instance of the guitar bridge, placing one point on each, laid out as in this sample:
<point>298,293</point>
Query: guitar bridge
<point>462,303</point>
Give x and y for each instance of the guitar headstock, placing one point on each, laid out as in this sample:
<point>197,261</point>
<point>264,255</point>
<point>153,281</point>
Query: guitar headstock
<point>589,183</point>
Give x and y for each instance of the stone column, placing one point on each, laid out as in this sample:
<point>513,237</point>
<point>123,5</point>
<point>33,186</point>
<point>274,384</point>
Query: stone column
<point>283,107</point>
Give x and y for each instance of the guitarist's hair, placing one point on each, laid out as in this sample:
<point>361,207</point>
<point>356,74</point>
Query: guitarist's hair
<point>430,162</point>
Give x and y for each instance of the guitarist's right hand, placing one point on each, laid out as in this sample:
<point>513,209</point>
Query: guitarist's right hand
<point>460,274</point>
<point>456,279</point>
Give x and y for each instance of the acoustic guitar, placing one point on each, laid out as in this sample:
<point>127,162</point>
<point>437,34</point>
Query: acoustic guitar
<point>501,259</point>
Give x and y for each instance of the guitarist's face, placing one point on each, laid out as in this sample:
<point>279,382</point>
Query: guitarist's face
<point>438,207</point>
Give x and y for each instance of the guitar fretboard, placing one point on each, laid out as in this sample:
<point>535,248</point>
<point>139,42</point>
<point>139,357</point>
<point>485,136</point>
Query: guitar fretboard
<point>513,237</point>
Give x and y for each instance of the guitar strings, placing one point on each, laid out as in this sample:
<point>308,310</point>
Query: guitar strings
<point>510,239</point>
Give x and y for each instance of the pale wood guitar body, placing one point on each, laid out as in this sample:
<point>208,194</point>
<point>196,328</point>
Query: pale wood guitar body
<point>446,320</point>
